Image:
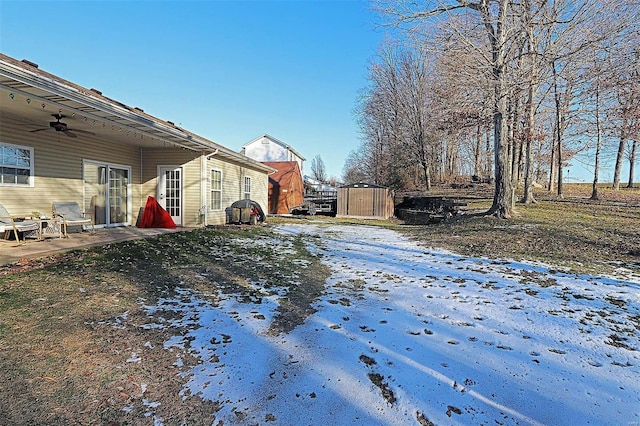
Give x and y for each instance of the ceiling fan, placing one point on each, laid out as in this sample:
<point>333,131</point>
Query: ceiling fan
<point>59,126</point>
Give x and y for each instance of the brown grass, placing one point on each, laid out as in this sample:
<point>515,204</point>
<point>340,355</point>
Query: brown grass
<point>65,344</point>
<point>573,232</point>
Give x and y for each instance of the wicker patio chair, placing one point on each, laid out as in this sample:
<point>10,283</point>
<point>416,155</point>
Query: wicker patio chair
<point>71,215</point>
<point>11,223</point>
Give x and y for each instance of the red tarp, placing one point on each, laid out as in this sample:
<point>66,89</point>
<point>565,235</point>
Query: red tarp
<point>154,216</point>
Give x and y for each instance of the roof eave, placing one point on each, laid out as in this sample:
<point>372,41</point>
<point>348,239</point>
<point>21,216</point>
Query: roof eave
<point>148,124</point>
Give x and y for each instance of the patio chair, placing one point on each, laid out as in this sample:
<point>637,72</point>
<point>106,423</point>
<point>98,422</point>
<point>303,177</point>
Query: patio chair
<point>71,215</point>
<point>10,223</point>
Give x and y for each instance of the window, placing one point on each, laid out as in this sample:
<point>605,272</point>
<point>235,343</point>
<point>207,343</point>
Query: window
<point>216,190</point>
<point>16,165</point>
<point>247,187</point>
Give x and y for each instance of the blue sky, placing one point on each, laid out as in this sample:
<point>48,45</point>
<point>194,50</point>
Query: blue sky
<point>227,70</point>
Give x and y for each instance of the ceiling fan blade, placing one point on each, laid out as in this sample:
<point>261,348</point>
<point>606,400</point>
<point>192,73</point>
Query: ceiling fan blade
<point>83,131</point>
<point>68,133</point>
<point>37,130</point>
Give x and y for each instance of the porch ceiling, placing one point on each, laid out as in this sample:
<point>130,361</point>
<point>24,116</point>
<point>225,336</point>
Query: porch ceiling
<point>31,97</point>
<point>35,106</point>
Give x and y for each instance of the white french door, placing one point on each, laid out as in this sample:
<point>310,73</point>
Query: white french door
<point>107,193</point>
<point>170,191</point>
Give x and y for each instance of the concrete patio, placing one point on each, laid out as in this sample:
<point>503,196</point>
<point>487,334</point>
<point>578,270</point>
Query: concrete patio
<point>10,252</point>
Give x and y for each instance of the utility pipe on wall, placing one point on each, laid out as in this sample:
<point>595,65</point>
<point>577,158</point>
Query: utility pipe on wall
<point>204,210</point>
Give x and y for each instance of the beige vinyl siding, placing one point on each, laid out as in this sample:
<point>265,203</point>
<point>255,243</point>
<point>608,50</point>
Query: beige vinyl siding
<point>190,163</point>
<point>58,166</point>
<point>259,188</point>
<point>233,187</point>
<point>192,171</point>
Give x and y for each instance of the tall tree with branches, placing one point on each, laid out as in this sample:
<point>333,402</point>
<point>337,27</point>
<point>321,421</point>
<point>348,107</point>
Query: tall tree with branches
<point>627,112</point>
<point>318,169</point>
<point>493,15</point>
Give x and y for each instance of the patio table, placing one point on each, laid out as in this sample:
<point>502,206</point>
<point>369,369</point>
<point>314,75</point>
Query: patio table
<point>46,227</point>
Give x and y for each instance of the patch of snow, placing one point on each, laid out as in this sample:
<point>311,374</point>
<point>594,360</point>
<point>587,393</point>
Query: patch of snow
<point>402,332</point>
<point>150,404</point>
<point>134,358</point>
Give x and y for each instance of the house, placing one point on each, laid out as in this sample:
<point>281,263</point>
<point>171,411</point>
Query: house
<point>365,201</point>
<point>62,142</point>
<point>286,188</point>
<point>267,148</point>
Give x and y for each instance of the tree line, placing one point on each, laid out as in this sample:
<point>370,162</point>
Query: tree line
<point>506,91</point>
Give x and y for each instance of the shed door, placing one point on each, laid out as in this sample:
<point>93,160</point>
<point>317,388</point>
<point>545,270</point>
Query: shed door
<point>360,202</point>
<point>170,191</point>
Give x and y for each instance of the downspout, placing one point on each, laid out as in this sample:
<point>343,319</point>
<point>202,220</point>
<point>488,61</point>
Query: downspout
<point>140,187</point>
<point>203,186</point>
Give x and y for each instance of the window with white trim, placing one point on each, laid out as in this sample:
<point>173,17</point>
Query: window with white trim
<point>16,165</point>
<point>247,187</point>
<point>216,190</point>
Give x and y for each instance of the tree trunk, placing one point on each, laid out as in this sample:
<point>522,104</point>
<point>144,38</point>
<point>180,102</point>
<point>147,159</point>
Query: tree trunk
<point>515,158</point>
<point>632,163</point>
<point>596,171</point>
<point>488,157</point>
<point>558,116</point>
<point>559,167</point>
<point>452,159</point>
<point>521,159</point>
<point>502,206</point>
<point>529,126</point>
<point>426,176</point>
<point>477,168</point>
<point>552,162</point>
<point>512,109</point>
<point>618,170</point>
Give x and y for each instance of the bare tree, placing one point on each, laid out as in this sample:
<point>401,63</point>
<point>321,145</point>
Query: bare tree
<point>493,15</point>
<point>580,30</point>
<point>318,169</point>
<point>562,95</point>
<point>459,108</point>
<point>377,114</point>
<point>597,74</point>
<point>393,115</point>
<point>597,102</point>
<point>414,74</point>
<point>355,169</point>
<point>574,30</point>
<point>531,53</point>
<point>536,38</point>
<point>627,113</point>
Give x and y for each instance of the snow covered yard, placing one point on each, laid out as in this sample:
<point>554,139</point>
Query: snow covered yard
<point>409,335</point>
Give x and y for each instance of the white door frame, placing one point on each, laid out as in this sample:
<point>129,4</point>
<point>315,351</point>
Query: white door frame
<point>129,203</point>
<point>161,191</point>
